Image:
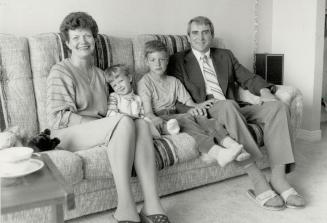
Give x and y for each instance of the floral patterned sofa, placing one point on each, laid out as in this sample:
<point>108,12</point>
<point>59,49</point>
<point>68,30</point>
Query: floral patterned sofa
<point>26,62</point>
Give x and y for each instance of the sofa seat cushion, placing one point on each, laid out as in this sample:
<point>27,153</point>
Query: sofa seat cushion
<point>169,151</point>
<point>95,163</point>
<point>69,165</point>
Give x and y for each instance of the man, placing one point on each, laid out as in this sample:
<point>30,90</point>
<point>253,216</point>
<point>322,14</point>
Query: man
<point>210,74</point>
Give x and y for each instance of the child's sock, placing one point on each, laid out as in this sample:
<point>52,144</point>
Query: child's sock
<point>230,143</point>
<point>172,127</point>
<point>224,156</point>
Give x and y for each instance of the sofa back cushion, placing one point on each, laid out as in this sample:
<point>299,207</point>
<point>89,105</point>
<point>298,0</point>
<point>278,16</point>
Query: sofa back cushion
<point>16,87</point>
<point>174,43</point>
<point>49,48</point>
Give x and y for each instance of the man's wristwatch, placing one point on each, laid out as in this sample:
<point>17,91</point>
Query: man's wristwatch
<point>272,88</point>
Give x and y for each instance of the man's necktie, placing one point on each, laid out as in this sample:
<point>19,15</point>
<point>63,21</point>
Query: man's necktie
<point>211,79</point>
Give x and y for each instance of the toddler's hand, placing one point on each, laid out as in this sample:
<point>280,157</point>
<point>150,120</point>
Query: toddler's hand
<point>158,122</point>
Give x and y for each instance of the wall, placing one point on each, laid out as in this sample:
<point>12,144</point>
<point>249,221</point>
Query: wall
<point>324,89</point>
<point>296,30</point>
<point>264,35</point>
<point>233,19</point>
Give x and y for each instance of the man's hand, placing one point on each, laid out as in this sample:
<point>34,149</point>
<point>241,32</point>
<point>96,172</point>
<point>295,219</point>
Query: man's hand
<point>197,111</point>
<point>266,95</point>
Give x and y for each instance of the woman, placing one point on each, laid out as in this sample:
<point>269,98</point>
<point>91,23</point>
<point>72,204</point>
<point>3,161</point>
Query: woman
<point>76,102</point>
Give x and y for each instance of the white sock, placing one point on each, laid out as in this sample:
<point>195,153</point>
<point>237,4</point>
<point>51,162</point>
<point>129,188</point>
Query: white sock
<point>224,156</point>
<point>230,143</point>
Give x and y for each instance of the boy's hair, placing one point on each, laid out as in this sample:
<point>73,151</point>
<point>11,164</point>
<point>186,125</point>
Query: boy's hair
<point>76,20</point>
<point>203,21</point>
<point>115,71</point>
<point>154,46</point>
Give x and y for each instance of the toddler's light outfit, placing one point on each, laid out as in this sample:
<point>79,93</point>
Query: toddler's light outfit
<point>131,105</point>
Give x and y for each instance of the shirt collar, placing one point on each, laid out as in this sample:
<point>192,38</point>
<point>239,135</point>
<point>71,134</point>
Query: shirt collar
<point>129,96</point>
<point>198,55</point>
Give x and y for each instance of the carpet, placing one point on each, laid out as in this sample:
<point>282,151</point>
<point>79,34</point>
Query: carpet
<point>226,202</point>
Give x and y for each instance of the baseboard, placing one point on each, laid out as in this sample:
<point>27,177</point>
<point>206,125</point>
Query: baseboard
<point>308,135</point>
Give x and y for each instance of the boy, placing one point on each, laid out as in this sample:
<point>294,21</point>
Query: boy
<point>160,92</point>
<point>124,101</point>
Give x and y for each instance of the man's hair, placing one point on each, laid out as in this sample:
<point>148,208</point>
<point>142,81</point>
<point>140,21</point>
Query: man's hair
<point>154,46</point>
<point>203,21</point>
<point>78,20</point>
<point>115,71</point>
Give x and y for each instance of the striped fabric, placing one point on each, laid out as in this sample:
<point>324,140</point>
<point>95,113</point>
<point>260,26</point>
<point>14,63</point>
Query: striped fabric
<point>102,54</point>
<point>2,117</point>
<point>257,133</point>
<point>174,43</point>
<point>211,80</point>
<point>165,153</point>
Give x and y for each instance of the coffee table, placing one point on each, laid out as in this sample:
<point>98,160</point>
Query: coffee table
<point>45,187</point>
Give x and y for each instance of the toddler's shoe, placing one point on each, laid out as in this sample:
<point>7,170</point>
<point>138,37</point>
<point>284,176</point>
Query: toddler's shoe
<point>173,127</point>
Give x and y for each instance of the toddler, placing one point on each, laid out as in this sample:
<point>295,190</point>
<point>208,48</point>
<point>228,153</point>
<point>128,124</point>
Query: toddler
<point>160,92</point>
<point>124,101</point>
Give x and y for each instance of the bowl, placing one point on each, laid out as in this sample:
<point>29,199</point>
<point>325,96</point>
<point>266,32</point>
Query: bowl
<point>15,154</point>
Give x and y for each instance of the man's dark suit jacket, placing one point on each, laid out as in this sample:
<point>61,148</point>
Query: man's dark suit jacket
<point>229,71</point>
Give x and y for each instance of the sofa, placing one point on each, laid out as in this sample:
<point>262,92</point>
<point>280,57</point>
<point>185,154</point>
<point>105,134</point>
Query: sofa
<point>25,64</point>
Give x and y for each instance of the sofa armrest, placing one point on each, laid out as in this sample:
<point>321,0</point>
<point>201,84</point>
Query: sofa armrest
<point>287,94</point>
<point>294,99</point>
<point>68,163</point>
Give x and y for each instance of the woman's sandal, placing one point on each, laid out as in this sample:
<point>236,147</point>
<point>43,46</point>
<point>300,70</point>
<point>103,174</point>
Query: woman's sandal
<point>262,199</point>
<point>287,193</point>
<point>124,221</point>
<point>155,218</point>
